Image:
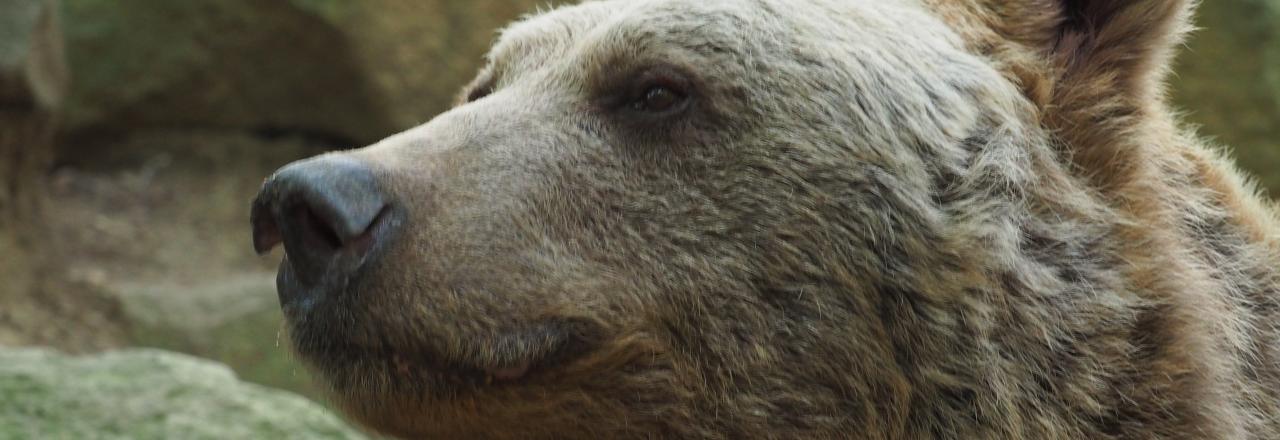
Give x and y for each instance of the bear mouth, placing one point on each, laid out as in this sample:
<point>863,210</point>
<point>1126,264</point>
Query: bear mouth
<point>510,359</point>
<point>407,366</point>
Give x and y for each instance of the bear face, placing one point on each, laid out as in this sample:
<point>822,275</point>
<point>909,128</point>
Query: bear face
<point>734,218</point>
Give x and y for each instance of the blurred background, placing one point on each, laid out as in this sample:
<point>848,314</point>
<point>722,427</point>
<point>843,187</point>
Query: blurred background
<point>134,133</point>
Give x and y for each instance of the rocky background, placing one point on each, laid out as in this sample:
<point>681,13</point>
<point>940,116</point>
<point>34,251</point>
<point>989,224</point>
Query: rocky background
<point>134,133</point>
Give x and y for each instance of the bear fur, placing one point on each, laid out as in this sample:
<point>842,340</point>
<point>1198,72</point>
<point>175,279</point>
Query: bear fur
<point>953,219</point>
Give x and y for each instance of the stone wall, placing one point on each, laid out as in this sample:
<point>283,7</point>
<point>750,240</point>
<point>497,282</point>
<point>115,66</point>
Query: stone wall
<point>343,71</point>
<point>33,82</point>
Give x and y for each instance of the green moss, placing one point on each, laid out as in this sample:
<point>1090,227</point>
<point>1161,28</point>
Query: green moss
<point>146,395</point>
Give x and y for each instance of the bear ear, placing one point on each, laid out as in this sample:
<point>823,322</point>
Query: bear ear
<point>1095,69</point>
<point>1108,60</point>
<point>1122,46</point>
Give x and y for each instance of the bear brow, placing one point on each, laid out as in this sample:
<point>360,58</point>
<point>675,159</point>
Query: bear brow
<point>535,37</point>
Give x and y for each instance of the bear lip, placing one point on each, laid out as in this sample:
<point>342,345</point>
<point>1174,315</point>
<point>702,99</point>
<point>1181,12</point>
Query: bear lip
<point>406,366</point>
<point>423,366</point>
<point>511,373</point>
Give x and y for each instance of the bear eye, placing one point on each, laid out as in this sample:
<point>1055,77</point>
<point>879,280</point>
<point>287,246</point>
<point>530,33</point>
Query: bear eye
<point>658,99</point>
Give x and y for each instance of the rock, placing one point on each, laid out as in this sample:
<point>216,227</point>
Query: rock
<point>33,84</point>
<point>200,308</point>
<point>350,72</point>
<point>419,53</point>
<point>147,394</point>
<point>1228,81</point>
<point>234,319</point>
<point>33,72</point>
<point>158,223</point>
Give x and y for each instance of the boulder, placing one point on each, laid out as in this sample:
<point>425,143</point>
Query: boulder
<point>158,223</point>
<point>33,74</point>
<point>147,394</point>
<point>348,72</point>
<point>234,320</point>
<point>33,84</point>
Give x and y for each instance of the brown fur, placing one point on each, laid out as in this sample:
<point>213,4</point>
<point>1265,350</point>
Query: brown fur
<point>990,226</point>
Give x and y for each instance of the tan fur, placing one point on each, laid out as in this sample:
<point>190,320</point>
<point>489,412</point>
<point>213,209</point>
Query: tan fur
<point>1107,108</point>
<point>877,219</point>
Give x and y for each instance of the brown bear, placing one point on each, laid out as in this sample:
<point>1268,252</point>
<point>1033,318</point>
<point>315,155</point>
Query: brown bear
<point>881,219</point>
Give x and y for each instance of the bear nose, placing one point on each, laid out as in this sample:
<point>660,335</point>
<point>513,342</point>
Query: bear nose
<point>327,211</point>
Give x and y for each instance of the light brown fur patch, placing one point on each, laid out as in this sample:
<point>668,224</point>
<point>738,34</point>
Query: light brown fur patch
<point>987,226</point>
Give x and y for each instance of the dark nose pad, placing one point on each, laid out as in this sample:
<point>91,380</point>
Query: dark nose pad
<point>328,211</point>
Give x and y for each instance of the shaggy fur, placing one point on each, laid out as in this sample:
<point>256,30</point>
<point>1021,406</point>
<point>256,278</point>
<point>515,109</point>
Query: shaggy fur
<point>957,219</point>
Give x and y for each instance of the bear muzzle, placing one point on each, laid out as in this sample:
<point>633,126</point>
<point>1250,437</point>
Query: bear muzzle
<point>331,216</point>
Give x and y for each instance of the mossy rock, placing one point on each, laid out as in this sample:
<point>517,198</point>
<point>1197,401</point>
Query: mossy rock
<point>350,71</point>
<point>147,394</point>
<point>235,321</point>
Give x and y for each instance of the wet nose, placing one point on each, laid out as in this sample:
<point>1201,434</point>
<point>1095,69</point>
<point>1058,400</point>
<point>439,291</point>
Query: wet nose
<point>328,211</point>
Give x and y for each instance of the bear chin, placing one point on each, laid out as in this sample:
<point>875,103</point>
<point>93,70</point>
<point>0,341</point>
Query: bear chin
<point>385,370</point>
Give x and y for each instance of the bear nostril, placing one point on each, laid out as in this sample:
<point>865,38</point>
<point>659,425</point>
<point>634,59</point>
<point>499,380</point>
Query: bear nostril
<point>327,211</point>
<point>316,232</point>
<point>266,233</point>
